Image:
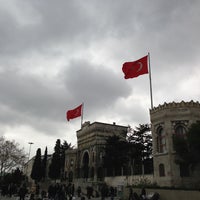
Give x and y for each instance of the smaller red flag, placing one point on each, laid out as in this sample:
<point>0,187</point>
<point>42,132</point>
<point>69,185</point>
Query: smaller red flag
<point>76,112</point>
<point>135,68</point>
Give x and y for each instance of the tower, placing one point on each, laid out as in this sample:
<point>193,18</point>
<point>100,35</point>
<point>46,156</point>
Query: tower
<point>86,162</point>
<point>166,120</point>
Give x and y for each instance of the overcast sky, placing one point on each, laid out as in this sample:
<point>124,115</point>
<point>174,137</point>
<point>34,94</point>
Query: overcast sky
<point>54,55</point>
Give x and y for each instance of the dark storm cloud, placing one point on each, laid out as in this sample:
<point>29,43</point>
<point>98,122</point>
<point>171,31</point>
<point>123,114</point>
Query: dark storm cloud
<point>164,24</point>
<point>28,99</point>
<point>25,96</point>
<point>95,85</point>
<point>60,22</point>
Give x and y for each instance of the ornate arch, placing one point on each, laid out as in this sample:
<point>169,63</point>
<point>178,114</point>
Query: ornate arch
<point>161,169</point>
<point>180,128</point>
<point>160,139</point>
<point>85,164</point>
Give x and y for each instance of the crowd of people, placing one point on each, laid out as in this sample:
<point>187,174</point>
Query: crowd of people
<point>142,196</point>
<point>57,191</point>
<point>13,190</point>
<point>61,191</point>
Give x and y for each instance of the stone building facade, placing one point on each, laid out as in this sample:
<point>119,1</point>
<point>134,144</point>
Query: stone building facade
<point>86,162</point>
<point>169,119</point>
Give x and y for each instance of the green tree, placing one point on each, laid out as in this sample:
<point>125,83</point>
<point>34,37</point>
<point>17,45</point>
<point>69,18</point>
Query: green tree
<point>17,176</point>
<point>194,142</point>
<point>181,148</point>
<point>44,164</point>
<point>36,173</point>
<point>55,166</point>
<point>188,148</point>
<point>140,149</point>
<point>65,146</point>
<point>133,152</point>
<point>115,155</point>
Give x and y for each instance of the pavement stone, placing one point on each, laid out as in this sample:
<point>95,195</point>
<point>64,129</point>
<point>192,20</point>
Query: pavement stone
<point>7,198</point>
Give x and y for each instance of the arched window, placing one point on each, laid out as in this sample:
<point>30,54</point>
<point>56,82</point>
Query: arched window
<point>161,140</point>
<point>85,165</point>
<point>180,131</point>
<point>161,170</point>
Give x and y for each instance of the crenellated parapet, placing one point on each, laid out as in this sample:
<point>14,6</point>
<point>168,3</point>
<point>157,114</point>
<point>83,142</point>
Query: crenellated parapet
<point>88,128</point>
<point>97,133</point>
<point>174,105</point>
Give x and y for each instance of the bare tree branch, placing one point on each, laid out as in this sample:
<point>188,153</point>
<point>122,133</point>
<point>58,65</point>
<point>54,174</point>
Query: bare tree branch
<point>11,156</point>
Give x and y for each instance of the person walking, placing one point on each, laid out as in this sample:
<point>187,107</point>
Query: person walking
<point>130,197</point>
<point>143,194</point>
<point>79,191</point>
<point>112,193</point>
<point>103,191</point>
<point>22,192</point>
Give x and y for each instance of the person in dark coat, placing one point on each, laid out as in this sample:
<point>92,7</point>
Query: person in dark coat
<point>112,193</point>
<point>51,192</point>
<point>22,192</point>
<point>143,194</point>
<point>155,196</point>
<point>103,191</point>
<point>89,192</point>
<point>79,191</point>
<point>37,190</point>
<point>131,197</point>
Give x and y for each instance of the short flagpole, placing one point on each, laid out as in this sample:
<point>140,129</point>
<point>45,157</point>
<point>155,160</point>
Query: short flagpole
<point>150,81</point>
<point>82,114</point>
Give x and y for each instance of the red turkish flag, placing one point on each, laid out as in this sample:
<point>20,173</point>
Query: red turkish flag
<point>76,112</point>
<point>135,68</point>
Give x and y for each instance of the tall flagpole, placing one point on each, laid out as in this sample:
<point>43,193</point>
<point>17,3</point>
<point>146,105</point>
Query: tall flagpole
<point>150,81</point>
<point>82,114</point>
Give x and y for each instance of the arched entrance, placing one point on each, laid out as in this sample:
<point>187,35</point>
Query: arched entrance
<point>85,165</point>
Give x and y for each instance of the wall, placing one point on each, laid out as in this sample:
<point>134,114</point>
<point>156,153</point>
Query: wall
<point>167,194</point>
<point>129,180</point>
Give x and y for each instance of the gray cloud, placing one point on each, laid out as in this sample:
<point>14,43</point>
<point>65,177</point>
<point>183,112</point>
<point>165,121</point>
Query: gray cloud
<point>97,85</point>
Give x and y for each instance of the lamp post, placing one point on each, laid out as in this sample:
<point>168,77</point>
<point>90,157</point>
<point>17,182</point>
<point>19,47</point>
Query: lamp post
<point>30,143</point>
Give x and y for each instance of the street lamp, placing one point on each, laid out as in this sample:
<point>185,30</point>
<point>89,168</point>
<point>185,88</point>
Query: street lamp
<point>30,143</point>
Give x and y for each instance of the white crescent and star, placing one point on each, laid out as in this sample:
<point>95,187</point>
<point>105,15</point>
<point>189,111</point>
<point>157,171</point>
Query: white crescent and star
<point>140,66</point>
